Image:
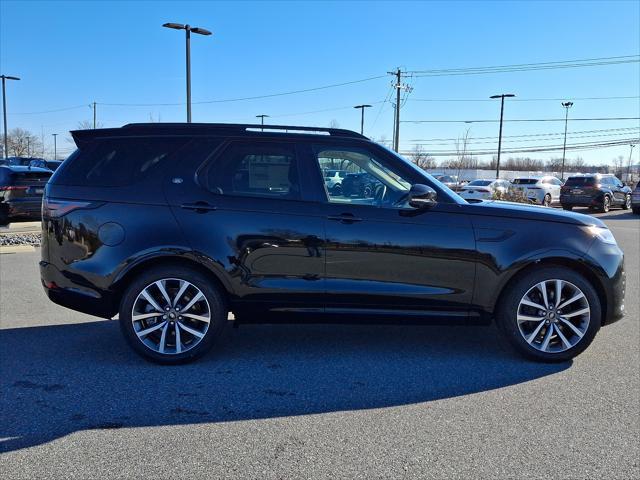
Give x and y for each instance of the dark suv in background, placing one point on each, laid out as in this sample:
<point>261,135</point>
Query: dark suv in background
<point>21,190</point>
<point>598,192</point>
<point>171,226</point>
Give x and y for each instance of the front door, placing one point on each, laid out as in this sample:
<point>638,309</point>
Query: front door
<point>242,207</point>
<point>384,256</point>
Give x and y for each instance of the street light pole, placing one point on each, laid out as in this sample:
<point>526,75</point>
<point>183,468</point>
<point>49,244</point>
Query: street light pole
<point>55,146</point>
<point>262,117</point>
<point>502,96</point>
<point>362,107</point>
<point>4,112</point>
<point>188,29</point>
<point>629,163</point>
<point>567,106</point>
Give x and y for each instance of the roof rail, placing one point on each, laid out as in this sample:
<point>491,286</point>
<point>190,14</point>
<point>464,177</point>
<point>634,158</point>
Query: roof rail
<point>243,128</point>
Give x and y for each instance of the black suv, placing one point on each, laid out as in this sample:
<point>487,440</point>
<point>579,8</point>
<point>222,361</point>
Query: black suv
<point>21,190</point>
<point>172,226</point>
<point>598,192</point>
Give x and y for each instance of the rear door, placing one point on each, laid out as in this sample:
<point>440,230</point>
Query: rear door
<point>243,206</point>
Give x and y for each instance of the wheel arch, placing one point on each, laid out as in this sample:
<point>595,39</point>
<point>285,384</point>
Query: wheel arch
<point>576,265</point>
<point>125,277</point>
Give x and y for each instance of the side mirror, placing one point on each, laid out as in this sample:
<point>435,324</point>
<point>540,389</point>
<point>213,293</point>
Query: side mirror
<point>421,196</point>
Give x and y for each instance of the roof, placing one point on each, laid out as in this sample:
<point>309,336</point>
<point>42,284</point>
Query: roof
<point>230,129</point>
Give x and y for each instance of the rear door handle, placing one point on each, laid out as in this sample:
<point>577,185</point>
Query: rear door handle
<point>199,207</point>
<point>344,218</point>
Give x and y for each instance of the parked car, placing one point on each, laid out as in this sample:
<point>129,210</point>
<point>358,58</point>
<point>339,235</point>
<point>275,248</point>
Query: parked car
<point>451,181</point>
<point>598,191</point>
<point>48,164</point>
<point>359,184</point>
<point>484,189</point>
<point>543,190</point>
<point>196,241</point>
<point>635,199</point>
<point>333,180</point>
<point>21,190</point>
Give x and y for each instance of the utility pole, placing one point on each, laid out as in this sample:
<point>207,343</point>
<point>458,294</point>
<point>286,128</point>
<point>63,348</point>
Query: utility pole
<point>262,117</point>
<point>567,106</point>
<point>4,112</point>
<point>502,96</point>
<point>55,146</point>
<point>398,85</point>
<point>94,115</point>
<point>188,29</point>
<point>362,107</point>
<point>629,164</point>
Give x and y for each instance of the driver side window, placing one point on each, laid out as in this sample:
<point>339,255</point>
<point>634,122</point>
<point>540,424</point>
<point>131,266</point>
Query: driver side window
<point>365,179</point>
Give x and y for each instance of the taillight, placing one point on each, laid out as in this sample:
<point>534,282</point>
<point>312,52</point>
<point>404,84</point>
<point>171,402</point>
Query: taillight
<point>486,190</point>
<point>564,189</point>
<point>56,208</point>
<point>13,187</point>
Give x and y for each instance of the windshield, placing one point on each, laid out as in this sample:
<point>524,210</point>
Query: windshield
<point>481,182</point>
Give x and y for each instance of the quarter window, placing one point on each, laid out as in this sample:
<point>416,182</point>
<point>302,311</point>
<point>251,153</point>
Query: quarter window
<point>259,170</point>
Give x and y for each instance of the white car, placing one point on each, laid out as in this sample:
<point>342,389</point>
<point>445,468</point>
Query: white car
<point>333,180</point>
<point>484,189</point>
<point>543,190</point>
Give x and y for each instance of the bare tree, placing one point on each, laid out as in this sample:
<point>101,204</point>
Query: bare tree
<point>463,159</point>
<point>88,125</point>
<point>334,124</point>
<point>21,143</point>
<point>421,158</point>
<point>384,141</point>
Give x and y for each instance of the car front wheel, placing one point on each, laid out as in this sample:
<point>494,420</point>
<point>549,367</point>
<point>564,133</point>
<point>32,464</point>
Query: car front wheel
<point>546,201</point>
<point>551,314</point>
<point>606,204</point>
<point>627,202</point>
<point>171,315</point>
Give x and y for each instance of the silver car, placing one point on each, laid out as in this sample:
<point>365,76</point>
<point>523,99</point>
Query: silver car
<point>484,189</point>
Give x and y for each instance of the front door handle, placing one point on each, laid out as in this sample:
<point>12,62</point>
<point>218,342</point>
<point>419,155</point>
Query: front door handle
<point>344,218</point>
<point>199,207</point>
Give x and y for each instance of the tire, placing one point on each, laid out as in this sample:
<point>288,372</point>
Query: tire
<point>196,335</point>
<point>546,201</point>
<point>567,207</point>
<point>4,216</point>
<point>636,210</point>
<point>606,204</point>
<point>556,349</point>
<point>627,202</point>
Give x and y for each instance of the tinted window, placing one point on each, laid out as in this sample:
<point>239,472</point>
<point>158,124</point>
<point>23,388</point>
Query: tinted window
<point>481,182</point>
<point>262,170</point>
<point>525,181</point>
<point>117,162</point>
<point>580,181</point>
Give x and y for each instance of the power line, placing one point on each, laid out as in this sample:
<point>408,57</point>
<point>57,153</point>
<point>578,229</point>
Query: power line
<point>50,111</point>
<point>528,135</point>
<point>524,120</point>
<point>522,67</point>
<point>521,99</point>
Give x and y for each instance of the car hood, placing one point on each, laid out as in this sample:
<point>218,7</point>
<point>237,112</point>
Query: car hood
<point>532,212</point>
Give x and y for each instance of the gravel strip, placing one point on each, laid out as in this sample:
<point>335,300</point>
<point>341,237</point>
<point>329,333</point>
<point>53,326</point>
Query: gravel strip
<point>20,239</point>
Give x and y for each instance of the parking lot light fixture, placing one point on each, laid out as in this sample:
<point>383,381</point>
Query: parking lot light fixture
<point>55,146</point>
<point>4,112</point>
<point>188,29</point>
<point>567,106</point>
<point>362,107</point>
<point>501,96</point>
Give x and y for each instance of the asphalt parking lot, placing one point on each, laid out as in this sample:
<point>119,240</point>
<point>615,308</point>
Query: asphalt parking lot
<point>312,401</point>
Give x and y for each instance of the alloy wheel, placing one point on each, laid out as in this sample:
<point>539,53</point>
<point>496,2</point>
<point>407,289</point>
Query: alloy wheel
<point>171,316</point>
<point>606,203</point>
<point>553,316</point>
<point>627,202</point>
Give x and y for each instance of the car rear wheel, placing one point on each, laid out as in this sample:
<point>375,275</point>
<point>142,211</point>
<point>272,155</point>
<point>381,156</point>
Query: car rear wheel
<point>551,314</point>
<point>546,201</point>
<point>606,204</point>
<point>627,202</point>
<point>172,315</point>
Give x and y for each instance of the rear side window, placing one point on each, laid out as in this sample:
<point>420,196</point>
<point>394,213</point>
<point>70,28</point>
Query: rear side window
<point>30,178</point>
<point>259,169</point>
<point>580,181</point>
<point>116,162</point>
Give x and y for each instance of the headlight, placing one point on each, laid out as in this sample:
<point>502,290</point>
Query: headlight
<point>603,233</point>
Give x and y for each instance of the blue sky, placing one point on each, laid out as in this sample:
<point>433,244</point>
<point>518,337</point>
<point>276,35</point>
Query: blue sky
<point>70,54</point>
